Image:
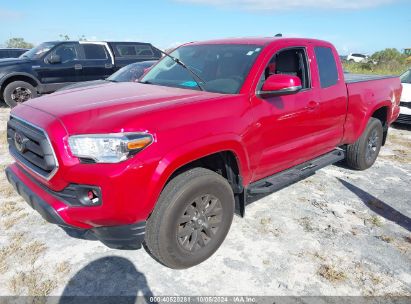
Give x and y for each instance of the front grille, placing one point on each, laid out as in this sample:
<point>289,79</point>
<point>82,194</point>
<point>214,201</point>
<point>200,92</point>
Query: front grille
<point>31,147</point>
<point>405,104</point>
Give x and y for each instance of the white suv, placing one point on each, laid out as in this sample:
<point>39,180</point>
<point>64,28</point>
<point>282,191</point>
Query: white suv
<point>357,57</point>
<point>405,104</point>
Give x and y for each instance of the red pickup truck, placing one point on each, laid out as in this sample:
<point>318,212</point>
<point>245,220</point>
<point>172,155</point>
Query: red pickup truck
<point>214,125</point>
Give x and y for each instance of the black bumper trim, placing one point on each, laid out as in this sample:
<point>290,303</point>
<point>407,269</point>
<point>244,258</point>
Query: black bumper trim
<point>117,237</point>
<point>404,119</point>
<point>35,202</point>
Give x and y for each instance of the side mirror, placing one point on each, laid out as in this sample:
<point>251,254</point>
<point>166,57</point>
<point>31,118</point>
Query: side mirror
<point>54,59</point>
<point>279,84</point>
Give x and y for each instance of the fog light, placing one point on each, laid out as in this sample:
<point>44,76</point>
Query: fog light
<point>93,196</point>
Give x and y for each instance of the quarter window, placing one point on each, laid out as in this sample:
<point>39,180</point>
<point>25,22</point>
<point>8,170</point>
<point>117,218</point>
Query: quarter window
<point>326,66</point>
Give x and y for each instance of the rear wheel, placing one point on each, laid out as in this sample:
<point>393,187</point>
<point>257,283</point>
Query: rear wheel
<point>191,218</point>
<point>362,154</point>
<point>17,92</point>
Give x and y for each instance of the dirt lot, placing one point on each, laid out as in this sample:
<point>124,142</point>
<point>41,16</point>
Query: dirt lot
<point>339,232</point>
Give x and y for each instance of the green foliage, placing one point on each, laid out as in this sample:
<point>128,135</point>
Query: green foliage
<point>385,62</point>
<point>18,43</point>
<point>389,56</point>
<point>64,37</point>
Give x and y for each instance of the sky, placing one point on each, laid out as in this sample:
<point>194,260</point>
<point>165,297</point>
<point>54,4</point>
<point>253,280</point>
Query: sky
<point>351,25</point>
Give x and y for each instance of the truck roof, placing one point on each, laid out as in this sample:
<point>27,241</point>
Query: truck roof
<point>256,40</point>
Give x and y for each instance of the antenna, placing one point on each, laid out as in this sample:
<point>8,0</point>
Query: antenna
<point>279,35</point>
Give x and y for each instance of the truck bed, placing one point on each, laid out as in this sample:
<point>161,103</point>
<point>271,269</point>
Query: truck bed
<point>352,78</point>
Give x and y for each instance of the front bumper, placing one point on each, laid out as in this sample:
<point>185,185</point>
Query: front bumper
<point>120,237</point>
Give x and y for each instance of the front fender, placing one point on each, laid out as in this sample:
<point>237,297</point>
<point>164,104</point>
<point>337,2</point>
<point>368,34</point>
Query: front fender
<point>17,74</point>
<point>192,151</point>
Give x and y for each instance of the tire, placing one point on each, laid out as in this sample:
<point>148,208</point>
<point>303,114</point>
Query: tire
<point>170,230</point>
<point>362,154</point>
<point>17,92</point>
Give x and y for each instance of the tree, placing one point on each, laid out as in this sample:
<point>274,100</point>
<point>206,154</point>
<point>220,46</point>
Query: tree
<point>18,43</point>
<point>64,37</point>
<point>389,56</point>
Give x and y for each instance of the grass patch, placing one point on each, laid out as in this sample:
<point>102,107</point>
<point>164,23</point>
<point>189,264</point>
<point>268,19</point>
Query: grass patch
<point>385,238</point>
<point>3,139</point>
<point>16,243</point>
<point>332,274</point>
<point>10,222</point>
<point>266,227</point>
<point>7,191</point>
<point>32,283</point>
<point>306,223</point>
<point>379,69</point>
<point>63,268</point>
<point>376,221</point>
<point>9,208</point>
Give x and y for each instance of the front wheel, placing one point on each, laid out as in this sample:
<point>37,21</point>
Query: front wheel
<point>191,219</point>
<point>17,92</point>
<point>362,154</point>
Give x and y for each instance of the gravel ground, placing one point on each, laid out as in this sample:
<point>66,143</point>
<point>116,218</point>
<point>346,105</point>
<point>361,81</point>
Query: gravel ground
<point>339,232</point>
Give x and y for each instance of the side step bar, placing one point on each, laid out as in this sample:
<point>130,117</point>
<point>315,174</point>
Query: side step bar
<point>294,174</point>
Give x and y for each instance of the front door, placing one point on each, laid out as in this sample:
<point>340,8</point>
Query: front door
<point>287,124</point>
<point>58,74</point>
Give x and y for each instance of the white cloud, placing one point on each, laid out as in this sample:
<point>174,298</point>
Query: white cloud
<point>9,15</point>
<point>291,4</point>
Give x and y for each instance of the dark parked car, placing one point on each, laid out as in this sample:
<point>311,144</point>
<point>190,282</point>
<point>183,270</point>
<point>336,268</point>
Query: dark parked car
<point>12,52</point>
<point>53,65</point>
<point>129,73</point>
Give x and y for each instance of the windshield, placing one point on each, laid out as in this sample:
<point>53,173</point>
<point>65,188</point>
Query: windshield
<point>406,77</point>
<point>222,67</point>
<point>131,72</point>
<point>38,51</point>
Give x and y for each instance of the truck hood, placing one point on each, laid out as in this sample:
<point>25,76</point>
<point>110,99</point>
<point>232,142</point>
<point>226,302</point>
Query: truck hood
<point>13,61</point>
<point>110,106</point>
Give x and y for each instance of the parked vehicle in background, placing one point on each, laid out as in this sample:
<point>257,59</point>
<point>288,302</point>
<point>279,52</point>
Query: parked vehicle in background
<point>356,57</point>
<point>12,52</point>
<point>405,104</point>
<point>52,65</point>
<point>129,73</point>
<point>208,129</point>
<point>407,52</point>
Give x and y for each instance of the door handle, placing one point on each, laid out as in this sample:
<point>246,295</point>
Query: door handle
<point>312,105</point>
<point>78,66</point>
<point>108,65</point>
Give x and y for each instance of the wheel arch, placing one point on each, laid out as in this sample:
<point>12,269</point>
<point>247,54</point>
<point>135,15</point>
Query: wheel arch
<point>18,77</point>
<point>228,158</point>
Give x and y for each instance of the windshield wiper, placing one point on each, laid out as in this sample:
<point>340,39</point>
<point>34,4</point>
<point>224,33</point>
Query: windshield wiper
<point>196,78</point>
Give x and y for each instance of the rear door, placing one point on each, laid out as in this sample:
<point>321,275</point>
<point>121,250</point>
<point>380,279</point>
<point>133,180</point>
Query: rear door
<point>130,52</point>
<point>96,61</point>
<point>332,99</point>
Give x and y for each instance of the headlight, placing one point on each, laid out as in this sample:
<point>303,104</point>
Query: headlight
<point>108,148</point>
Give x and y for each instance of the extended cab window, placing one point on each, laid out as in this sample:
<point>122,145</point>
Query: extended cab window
<point>94,51</point>
<point>126,50</point>
<point>289,62</point>
<point>134,50</point>
<point>144,50</point>
<point>326,66</point>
